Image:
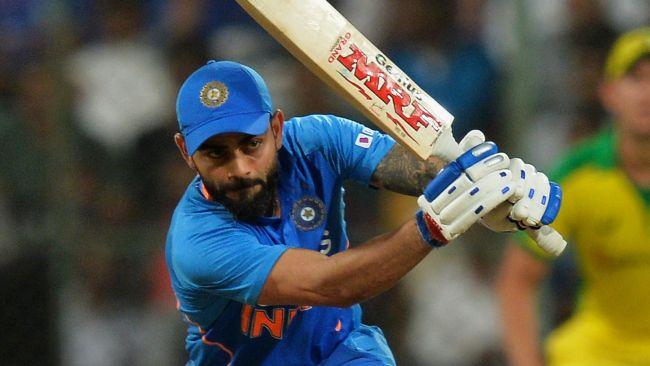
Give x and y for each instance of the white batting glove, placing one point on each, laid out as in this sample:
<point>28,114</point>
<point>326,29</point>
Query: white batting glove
<point>464,191</point>
<point>535,202</point>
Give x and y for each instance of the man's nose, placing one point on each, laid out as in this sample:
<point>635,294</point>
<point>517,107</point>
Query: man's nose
<point>239,166</point>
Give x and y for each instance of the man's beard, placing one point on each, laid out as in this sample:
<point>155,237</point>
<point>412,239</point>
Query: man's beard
<point>247,206</point>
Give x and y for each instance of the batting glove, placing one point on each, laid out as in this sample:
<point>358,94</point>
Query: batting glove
<point>535,201</point>
<point>464,191</point>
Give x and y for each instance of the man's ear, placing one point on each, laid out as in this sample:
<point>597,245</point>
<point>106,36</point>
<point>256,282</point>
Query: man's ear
<point>180,143</point>
<point>608,96</point>
<point>277,124</point>
<point>604,91</point>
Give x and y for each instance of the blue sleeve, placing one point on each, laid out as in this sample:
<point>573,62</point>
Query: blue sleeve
<point>228,262</point>
<point>351,149</point>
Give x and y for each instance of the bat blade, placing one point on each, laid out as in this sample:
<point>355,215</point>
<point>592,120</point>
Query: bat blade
<point>333,49</point>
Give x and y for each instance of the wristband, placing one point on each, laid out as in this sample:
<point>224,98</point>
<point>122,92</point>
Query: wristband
<point>424,225</point>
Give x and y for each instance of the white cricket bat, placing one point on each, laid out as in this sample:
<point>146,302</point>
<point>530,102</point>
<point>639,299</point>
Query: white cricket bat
<point>324,41</point>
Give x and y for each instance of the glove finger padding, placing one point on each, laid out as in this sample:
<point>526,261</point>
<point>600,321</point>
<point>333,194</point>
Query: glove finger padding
<point>471,200</point>
<point>528,211</point>
<point>518,169</point>
<point>536,201</point>
<point>455,190</point>
<point>495,191</point>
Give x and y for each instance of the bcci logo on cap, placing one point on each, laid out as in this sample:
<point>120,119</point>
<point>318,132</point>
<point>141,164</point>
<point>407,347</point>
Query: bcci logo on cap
<point>214,94</point>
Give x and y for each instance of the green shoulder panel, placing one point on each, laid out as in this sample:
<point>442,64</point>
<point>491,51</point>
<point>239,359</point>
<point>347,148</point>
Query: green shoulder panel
<point>645,193</point>
<point>598,150</point>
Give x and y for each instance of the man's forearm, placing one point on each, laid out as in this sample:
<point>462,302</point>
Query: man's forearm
<point>517,286</point>
<point>376,265</point>
<point>521,339</point>
<point>348,277</point>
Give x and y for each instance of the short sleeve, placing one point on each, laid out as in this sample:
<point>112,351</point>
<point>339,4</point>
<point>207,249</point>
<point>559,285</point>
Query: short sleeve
<point>228,262</point>
<point>351,149</point>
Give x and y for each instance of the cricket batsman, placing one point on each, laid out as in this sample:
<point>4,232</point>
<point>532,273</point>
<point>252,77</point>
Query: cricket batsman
<point>257,249</point>
<point>606,216</point>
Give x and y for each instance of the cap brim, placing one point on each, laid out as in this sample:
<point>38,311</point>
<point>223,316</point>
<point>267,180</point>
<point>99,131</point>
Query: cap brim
<point>250,124</point>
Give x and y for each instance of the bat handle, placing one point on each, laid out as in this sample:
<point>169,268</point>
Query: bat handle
<point>446,148</point>
<point>547,238</point>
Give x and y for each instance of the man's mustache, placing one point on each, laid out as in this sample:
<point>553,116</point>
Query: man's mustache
<point>242,183</point>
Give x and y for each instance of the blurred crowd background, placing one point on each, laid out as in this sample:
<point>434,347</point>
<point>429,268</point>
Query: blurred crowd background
<point>89,175</point>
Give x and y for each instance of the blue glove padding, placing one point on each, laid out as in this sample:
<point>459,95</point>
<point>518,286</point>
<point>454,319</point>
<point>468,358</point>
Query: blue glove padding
<point>463,192</point>
<point>554,203</point>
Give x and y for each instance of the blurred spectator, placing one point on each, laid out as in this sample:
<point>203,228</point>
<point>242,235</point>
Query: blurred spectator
<point>27,28</point>
<point>605,213</point>
<point>8,245</point>
<point>123,88</point>
<point>29,131</point>
<point>153,156</point>
<point>590,37</point>
<point>113,313</point>
<point>184,19</point>
<point>159,177</point>
<point>37,193</point>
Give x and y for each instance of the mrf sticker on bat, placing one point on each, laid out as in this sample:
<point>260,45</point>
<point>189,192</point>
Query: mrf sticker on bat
<point>380,81</point>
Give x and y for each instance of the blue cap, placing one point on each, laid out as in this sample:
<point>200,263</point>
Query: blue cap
<point>222,97</point>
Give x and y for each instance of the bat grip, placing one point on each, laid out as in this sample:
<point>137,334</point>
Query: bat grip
<point>547,238</point>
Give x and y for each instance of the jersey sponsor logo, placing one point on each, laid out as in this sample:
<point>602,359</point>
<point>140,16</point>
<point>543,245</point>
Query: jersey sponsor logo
<point>363,140</point>
<point>273,320</point>
<point>308,213</point>
<point>213,94</point>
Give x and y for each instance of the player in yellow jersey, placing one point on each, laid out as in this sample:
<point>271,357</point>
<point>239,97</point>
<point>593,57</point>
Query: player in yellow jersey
<point>605,216</point>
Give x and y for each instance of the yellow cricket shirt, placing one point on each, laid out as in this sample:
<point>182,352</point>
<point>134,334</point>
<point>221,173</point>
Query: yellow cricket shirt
<point>607,221</point>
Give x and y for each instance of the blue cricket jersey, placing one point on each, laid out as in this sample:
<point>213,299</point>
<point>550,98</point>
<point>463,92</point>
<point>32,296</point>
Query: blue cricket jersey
<point>218,265</point>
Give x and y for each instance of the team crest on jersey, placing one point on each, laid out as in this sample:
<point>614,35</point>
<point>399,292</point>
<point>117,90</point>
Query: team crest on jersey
<point>214,94</point>
<point>308,213</point>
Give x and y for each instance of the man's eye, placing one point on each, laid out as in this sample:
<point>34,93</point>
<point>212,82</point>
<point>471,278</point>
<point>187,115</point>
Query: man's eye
<point>254,143</point>
<point>215,154</point>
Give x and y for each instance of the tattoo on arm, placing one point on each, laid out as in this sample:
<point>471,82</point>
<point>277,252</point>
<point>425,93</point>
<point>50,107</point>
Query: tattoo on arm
<point>400,171</point>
